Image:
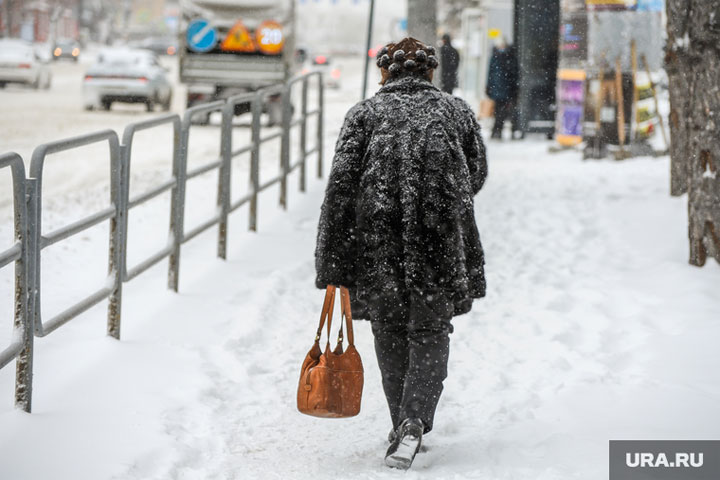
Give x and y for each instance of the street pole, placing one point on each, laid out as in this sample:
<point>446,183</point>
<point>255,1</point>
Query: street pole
<point>367,49</point>
<point>8,18</point>
<point>422,24</point>
<point>422,20</point>
<point>80,9</point>
<point>126,20</point>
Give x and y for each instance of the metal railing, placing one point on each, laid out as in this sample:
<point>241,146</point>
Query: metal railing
<point>21,347</point>
<point>37,241</point>
<point>26,251</point>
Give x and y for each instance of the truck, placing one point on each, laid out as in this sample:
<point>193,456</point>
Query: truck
<point>227,47</point>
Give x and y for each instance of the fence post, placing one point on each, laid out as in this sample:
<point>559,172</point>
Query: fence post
<point>24,363</point>
<point>225,174</point>
<point>255,160</point>
<point>303,134</point>
<point>177,209</point>
<point>24,378</point>
<point>119,192</point>
<point>32,187</point>
<point>22,324</point>
<point>321,112</point>
<point>285,147</point>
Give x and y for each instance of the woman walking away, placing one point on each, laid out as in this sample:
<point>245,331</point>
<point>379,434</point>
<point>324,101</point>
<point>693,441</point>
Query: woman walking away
<point>397,228</point>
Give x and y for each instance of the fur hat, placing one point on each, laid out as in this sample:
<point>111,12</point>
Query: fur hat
<point>406,57</point>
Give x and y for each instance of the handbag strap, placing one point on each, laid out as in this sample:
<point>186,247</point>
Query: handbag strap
<point>327,311</point>
<point>346,312</point>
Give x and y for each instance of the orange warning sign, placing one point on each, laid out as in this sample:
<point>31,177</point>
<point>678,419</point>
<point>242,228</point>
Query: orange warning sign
<point>238,40</point>
<point>270,38</point>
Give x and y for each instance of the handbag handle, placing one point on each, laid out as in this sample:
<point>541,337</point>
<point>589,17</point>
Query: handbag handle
<point>327,313</point>
<point>346,312</point>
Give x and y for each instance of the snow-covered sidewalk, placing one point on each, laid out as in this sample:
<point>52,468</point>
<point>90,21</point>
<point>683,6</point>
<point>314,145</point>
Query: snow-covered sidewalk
<point>594,328</point>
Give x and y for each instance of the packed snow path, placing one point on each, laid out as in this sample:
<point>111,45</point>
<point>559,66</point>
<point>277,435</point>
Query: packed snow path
<point>594,328</point>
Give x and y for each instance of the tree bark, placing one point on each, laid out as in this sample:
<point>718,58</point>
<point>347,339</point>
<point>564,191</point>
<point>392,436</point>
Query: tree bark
<point>693,65</point>
<point>676,66</point>
<point>422,20</point>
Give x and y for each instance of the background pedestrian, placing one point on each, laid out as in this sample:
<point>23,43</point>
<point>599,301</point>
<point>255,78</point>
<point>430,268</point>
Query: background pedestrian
<point>449,63</point>
<point>502,87</point>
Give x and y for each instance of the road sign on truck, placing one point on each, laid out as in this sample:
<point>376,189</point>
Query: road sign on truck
<point>229,47</point>
<point>201,36</point>
<point>239,39</point>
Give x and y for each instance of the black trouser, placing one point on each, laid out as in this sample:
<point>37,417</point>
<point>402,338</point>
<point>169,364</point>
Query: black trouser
<point>503,110</point>
<point>412,344</point>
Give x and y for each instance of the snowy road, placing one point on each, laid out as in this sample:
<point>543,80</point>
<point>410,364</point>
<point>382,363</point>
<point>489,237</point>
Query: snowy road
<point>30,117</point>
<point>594,328</point>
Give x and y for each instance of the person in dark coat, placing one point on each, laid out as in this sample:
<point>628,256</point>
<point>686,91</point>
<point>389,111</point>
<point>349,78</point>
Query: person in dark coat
<point>449,63</point>
<point>502,87</point>
<point>397,228</point>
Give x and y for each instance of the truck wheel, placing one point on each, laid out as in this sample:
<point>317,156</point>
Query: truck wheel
<point>166,104</point>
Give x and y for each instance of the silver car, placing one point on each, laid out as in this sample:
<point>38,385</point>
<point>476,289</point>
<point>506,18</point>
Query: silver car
<point>21,63</point>
<point>128,76</point>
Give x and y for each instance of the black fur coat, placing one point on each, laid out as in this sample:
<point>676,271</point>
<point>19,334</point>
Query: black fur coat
<point>398,211</point>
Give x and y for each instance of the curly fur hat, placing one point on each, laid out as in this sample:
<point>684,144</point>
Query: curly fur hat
<point>406,57</point>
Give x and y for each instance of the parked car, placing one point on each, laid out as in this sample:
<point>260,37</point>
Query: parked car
<point>20,63</point>
<point>66,48</point>
<point>129,76</point>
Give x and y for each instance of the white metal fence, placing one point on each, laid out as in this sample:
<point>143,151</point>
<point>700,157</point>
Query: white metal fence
<point>30,240</point>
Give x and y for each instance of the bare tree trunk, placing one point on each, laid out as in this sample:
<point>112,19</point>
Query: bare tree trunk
<point>693,64</point>
<point>676,65</point>
<point>422,20</point>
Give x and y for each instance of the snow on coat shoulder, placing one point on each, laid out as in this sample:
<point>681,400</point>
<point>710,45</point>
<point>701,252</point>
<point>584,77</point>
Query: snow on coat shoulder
<point>398,211</point>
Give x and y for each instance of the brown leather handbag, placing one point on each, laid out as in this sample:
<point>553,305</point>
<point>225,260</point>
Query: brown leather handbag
<point>331,382</point>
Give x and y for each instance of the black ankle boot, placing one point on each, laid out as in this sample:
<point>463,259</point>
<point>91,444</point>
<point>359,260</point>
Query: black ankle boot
<point>406,444</point>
